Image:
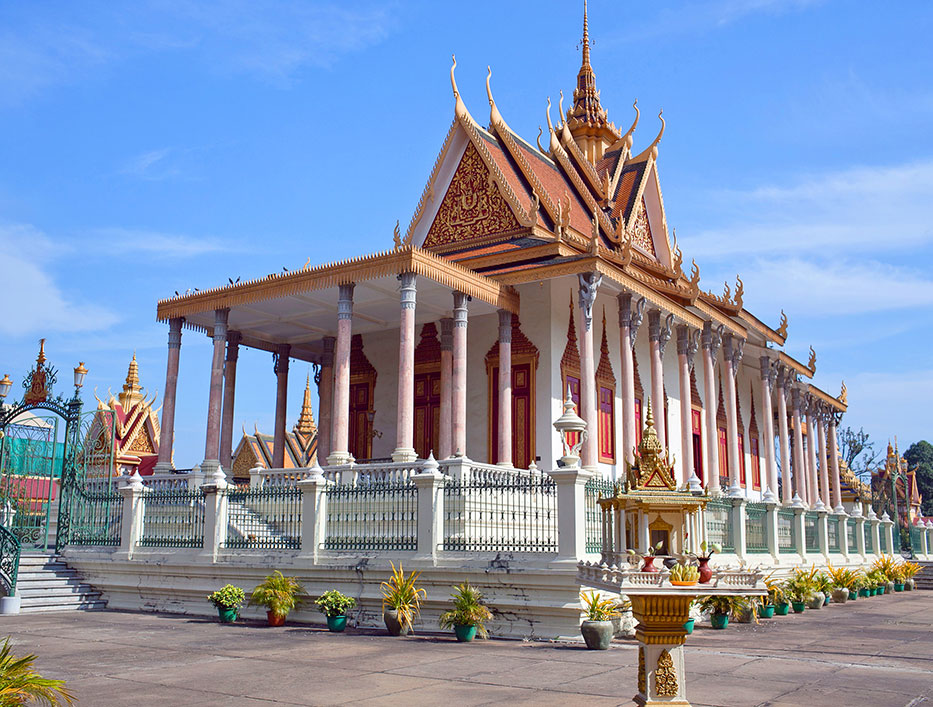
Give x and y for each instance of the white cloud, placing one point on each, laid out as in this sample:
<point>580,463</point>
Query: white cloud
<point>158,244</point>
<point>35,301</point>
<point>147,165</point>
<point>858,209</point>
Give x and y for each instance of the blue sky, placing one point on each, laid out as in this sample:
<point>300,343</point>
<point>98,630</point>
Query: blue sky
<point>157,146</point>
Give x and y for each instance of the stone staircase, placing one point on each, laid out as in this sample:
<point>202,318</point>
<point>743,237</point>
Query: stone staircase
<point>47,583</point>
<point>924,579</point>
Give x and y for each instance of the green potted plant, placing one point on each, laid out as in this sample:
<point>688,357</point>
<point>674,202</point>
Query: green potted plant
<point>469,615</point>
<point>689,623</point>
<point>798,590</point>
<point>227,601</point>
<point>911,569</point>
<point>897,574</point>
<point>401,601</point>
<point>597,628</point>
<point>20,683</point>
<point>335,605</point>
<point>279,594</point>
<point>720,607</point>
<point>774,600</point>
<point>885,565</point>
<point>841,579</point>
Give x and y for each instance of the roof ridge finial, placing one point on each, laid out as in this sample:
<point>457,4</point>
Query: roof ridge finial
<point>586,36</point>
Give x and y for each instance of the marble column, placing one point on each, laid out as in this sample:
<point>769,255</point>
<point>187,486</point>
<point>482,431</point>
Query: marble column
<point>167,428</point>
<point>767,413</point>
<point>226,424</point>
<point>445,434</point>
<point>800,473</point>
<point>340,439</point>
<point>824,460</point>
<point>834,464</point>
<point>325,392</point>
<point>686,349</point>
<point>459,375</point>
<point>589,284</point>
<point>280,366</point>
<point>732,356</point>
<point>405,417</point>
<point>787,491</point>
<point>812,475</point>
<point>711,341</point>
<point>504,452</point>
<point>629,321</point>
<point>212,438</point>
<point>659,332</point>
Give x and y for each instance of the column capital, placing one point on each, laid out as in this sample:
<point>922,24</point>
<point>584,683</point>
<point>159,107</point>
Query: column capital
<point>447,334</point>
<point>589,284</point>
<point>233,345</point>
<point>712,337</point>
<point>629,317</point>
<point>408,289</point>
<point>345,301</point>
<point>733,348</point>
<point>460,308</point>
<point>505,326</point>
<point>795,399</point>
<point>768,370</point>
<point>688,341</point>
<point>174,332</point>
<point>280,358</point>
<point>220,324</point>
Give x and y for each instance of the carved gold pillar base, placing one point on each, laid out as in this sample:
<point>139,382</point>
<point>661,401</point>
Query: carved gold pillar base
<point>660,633</point>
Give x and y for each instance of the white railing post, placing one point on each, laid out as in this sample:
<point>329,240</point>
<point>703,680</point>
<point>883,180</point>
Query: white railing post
<point>739,531</point>
<point>571,511</point>
<point>255,477</point>
<point>215,518</point>
<point>313,513</point>
<point>887,530</point>
<point>771,529</point>
<point>859,530</point>
<point>875,534</point>
<point>195,478</point>
<point>430,485</point>
<point>131,523</point>
<point>822,526</point>
<point>800,531</point>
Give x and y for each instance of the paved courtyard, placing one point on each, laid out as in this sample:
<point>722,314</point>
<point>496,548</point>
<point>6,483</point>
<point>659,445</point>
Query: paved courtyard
<point>876,652</point>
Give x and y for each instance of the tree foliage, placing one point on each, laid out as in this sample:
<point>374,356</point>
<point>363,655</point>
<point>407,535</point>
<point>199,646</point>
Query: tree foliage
<point>920,456</point>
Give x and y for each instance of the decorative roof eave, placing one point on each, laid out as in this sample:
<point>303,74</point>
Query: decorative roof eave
<point>762,328</point>
<point>544,250</point>
<point>719,318</point>
<point>584,166</point>
<point>793,363</point>
<point>368,267</point>
<point>610,271</point>
<point>835,403</point>
<point>429,187</point>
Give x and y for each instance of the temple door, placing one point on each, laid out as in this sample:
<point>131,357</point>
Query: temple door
<point>522,400</point>
<point>427,412</point>
<point>360,441</point>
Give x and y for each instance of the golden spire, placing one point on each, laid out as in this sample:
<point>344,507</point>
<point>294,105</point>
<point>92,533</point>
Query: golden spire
<point>306,424</point>
<point>587,119</point>
<point>132,392</point>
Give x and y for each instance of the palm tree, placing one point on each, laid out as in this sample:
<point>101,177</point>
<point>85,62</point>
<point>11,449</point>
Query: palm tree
<point>20,683</point>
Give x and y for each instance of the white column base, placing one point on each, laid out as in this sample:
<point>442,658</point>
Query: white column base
<point>402,454</point>
<point>338,458</point>
<point>735,491</point>
<point>162,468</point>
<point>214,474</point>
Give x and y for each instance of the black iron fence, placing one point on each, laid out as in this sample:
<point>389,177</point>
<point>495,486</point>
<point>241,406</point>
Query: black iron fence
<point>373,515</point>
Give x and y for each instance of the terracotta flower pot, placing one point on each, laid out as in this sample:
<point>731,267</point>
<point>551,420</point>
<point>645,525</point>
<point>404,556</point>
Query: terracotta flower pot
<point>649,565</point>
<point>597,634</point>
<point>275,619</point>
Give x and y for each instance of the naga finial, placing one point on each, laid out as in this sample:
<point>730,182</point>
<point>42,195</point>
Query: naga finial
<point>397,236</point>
<point>844,394</point>
<point>811,364</point>
<point>782,329</point>
<point>560,106</point>
<point>538,139</point>
<point>695,275</point>
<point>739,291</point>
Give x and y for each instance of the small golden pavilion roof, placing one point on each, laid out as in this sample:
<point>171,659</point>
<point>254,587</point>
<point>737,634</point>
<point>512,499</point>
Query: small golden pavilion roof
<point>587,116</point>
<point>132,392</point>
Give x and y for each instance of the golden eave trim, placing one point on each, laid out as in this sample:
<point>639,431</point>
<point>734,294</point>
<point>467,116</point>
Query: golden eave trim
<point>516,255</point>
<point>762,328</point>
<point>359,269</point>
<point>720,318</point>
<point>795,364</point>
<point>828,399</point>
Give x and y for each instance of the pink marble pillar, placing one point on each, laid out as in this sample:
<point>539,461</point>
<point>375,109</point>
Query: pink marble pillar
<point>629,321</point>
<point>787,490</point>
<point>167,429</point>
<point>459,375</point>
<point>770,488</point>
<point>405,416</point>
<point>800,469</point>
<point>732,356</point>
<point>834,465</point>
<point>658,334</point>
<point>686,349</point>
<point>589,284</point>
<point>212,438</point>
<point>445,434</point>
<point>813,474</point>
<point>280,358</point>
<point>711,341</point>
<point>226,423</point>
<point>824,470</point>
<point>504,451</point>
<point>325,392</point>
<point>340,439</point>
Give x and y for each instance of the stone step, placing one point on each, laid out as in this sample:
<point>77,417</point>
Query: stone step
<point>95,605</point>
<point>47,583</point>
<point>55,580</point>
<point>67,590</point>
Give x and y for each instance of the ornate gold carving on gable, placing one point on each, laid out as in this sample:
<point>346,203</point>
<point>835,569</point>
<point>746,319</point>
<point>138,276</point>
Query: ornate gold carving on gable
<point>641,229</point>
<point>472,207</point>
<point>665,677</point>
<point>142,443</point>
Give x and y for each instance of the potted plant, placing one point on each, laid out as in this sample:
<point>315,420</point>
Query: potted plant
<point>648,557</point>
<point>401,601</point>
<point>749,612</point>
<point>911,569</point>
<point>689,623</point>
<point>227,601</point>
<point>279,594</point>
<point>469,615</point>
<point>775,598</point>
<point>885,565</point>
<point>335,605</point>
<point>824,585</point>
<point>720,608</point>
<point>706,574</point>
<point>798,590</point>
<point>898,576</point>
<point>684,575</point>
<point>841,579</point>
<point>597,628</point>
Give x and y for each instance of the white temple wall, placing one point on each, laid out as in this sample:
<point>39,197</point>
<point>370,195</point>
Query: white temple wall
<point>381,348</point>
<point>482,333</point>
